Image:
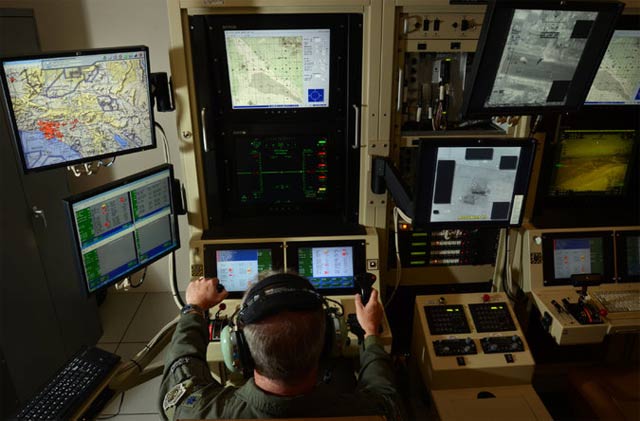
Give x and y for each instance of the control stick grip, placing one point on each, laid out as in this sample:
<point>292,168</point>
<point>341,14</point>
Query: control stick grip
<point>364,282</point>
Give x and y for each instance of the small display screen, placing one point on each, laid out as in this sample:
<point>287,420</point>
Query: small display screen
<point>327,267</point>
<point>592,162</point>
<point>633,255</point>
<point>283,68</point>
<point>79,106</point>
<point>540,57</point>
<point>574,256</point>
<point>618,79</point>
<point>237,270</point>
<point>123,229</point>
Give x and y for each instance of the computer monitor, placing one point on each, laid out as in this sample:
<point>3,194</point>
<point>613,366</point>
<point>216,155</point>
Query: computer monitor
<point>331,266</point>
<point>72,107</point>
<point>472,182</point>
<point>124,226</point>
<point>617,82</point>
<point>628,255</point>
<point>576,253</point>
<point>278,68</point>
<point>281,171</point>
<point>592,163</point>
<point>536,57</point>
<point>238,266</point>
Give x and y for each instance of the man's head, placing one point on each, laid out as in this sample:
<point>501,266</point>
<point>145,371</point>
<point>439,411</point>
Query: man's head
<point>284,326</point>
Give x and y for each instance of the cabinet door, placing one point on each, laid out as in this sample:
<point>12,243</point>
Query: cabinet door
<point>30,336</point>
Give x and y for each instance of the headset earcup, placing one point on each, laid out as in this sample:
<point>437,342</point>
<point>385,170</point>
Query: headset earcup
<point>229,349</point>
<point>335,336</point>
<point>244,354</point>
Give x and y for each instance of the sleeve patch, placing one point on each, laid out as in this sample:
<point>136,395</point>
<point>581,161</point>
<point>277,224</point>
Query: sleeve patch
<point>174,394</point>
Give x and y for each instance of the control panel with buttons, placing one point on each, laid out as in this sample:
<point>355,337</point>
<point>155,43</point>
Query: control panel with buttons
<point>469,340</point>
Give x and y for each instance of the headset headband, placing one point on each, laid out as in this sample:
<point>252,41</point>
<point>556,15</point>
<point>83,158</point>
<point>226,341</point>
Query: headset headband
<point>277,293</point>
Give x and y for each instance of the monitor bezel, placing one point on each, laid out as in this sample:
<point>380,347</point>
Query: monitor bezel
<point>495,30</point>
<point>15,133</point>
<point>426,173</point>
<point>624,23</point>
<point>71,222</point>
<point>359,260</point>
<point>621,252</point>
<point>548,260</point>
<point>211,270</point>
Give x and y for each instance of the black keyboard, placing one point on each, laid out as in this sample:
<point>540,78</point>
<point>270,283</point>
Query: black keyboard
<point>71,386</point>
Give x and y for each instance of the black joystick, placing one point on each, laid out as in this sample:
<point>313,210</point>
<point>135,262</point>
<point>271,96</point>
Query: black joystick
<point>364,281</point>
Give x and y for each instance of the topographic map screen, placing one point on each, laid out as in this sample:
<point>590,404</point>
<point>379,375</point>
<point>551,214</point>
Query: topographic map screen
<point>540,57</point>
<point>618,78</point>
<point>77,108</point>
<point>287,68</point>
<point>475,184</point>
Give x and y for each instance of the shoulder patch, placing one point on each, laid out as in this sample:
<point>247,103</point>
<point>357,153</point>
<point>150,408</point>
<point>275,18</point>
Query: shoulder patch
<point>174,394</point>
<point>191,401</point>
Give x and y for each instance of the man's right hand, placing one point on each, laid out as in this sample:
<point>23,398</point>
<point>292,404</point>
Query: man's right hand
<point>369,316</point>
<point>203,292</point>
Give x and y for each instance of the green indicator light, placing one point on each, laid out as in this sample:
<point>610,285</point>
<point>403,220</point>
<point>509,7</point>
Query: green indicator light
<point>494,308</point>
<point>418,253</point>
<point>417,262</point>
<point>418,244</point>
<point>449,309</point>
<point>419,234</point>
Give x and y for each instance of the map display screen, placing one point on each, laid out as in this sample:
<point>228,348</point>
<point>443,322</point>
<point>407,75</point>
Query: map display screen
<point>540,58</point>
<point>284,68</point>
<point>79,106</point>
<point>592,162</point>
<point>123,228</point>
<point>476,184</point>
<point>618,79</point>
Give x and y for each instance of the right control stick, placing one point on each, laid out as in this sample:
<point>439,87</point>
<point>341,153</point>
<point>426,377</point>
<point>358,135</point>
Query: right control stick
<point>364,282</point>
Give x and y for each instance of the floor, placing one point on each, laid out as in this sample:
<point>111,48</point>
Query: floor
<point>129,321</point>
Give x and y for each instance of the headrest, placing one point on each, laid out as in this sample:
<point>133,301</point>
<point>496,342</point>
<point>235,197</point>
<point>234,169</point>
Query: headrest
<point>276,293</point>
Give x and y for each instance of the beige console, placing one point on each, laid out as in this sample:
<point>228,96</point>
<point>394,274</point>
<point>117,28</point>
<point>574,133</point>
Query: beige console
<point>618,300</point>
<point>469,340</point>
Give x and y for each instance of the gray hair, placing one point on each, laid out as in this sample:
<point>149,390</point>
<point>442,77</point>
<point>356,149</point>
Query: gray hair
<point>286,345</point>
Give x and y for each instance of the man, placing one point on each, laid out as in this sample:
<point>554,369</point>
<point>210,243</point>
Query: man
<point>286,346</point>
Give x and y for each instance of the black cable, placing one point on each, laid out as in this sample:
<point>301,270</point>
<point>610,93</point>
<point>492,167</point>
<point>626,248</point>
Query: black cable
<point>174,281</point>
<point>117,413</point>
<point>167,156</point>
<point>144,275</point>
<point>536,123</point>
<point>506,267</point>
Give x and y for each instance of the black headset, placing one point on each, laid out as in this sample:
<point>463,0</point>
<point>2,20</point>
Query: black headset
<point>276,293</point>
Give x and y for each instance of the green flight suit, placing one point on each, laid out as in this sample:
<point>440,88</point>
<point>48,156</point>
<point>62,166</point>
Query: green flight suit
<point>189,391</point>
